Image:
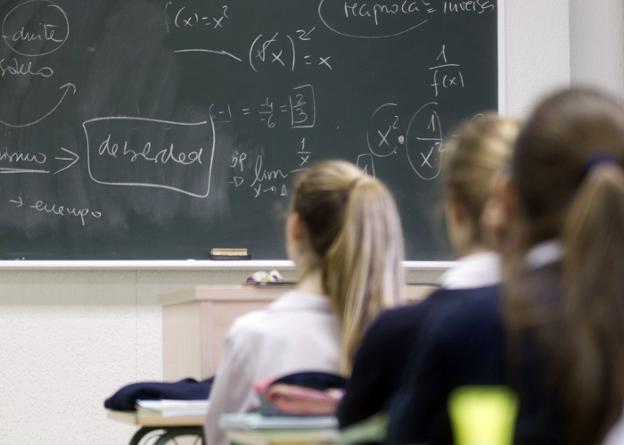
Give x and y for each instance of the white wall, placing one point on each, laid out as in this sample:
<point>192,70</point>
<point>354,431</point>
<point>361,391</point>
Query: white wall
<point>597,44</point>
<point>68,339</point>
<point>537,51</point>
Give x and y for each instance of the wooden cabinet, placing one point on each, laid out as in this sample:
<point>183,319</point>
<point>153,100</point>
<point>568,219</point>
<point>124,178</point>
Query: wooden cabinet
<point>196,320</point>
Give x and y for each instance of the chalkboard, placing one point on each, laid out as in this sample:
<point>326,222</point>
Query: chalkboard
<point>154,129</point>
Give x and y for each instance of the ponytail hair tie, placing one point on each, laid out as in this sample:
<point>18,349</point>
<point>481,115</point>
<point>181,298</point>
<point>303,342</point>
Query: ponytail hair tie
<point>598,160</point>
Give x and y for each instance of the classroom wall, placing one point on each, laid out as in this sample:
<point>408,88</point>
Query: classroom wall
<point>70,338</point>
<point>597,44</point>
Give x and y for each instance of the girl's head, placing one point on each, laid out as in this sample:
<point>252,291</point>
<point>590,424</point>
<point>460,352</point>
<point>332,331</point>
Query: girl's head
<point>567,183</point>
<point>345,226</point>
<point>479,150</point>
<point>554,168</point>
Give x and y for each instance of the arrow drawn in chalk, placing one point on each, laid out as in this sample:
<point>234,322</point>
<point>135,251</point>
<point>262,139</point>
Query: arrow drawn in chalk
<point>209,51</point>
<point>67,88</point>
<point>72,159</point>
<point>18,203</point>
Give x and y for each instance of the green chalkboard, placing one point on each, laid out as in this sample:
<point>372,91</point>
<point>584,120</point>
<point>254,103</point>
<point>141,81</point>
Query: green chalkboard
<point>154,129</point>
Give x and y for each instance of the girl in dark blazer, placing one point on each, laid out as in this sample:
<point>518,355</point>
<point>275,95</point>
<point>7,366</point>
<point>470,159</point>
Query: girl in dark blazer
<point>554,331</point>
<point>471,161</point>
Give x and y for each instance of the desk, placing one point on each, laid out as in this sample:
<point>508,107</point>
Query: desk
<point>196,320</point>
<point>284,437</point>
<point>164,429</point>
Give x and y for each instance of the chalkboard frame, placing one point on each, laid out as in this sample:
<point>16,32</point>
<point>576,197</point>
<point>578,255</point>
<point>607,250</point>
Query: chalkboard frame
<point>249,265</point>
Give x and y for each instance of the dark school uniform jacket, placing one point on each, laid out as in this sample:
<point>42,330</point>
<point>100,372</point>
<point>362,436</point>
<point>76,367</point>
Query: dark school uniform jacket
<point>466,345</point>
<point>381,361</point>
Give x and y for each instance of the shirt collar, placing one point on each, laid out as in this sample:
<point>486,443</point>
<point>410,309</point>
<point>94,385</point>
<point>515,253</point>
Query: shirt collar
<point>544,254</point>
<point>475,270</point>
<point>297,300</point>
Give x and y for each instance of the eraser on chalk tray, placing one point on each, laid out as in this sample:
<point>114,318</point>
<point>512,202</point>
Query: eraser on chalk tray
<point>229,253</point>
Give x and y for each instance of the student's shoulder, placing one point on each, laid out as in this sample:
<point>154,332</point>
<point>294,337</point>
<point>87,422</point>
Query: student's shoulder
<point>286,310</point>
<point>253,324</point>
<point>438,301</point>
<point>475,317</point>
<point>475,304</point>
<point>403,320</point>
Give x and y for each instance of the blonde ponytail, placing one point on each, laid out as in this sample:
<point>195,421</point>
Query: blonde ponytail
<point>362,269</point>
<point>355,232</point>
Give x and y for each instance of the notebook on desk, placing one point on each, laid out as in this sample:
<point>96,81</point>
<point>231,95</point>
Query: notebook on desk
<point>256,421</point>
<point>172,408</point>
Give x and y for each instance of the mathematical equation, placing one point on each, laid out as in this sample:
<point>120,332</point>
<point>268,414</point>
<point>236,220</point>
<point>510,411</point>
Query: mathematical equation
<point>251,174</point>
<point>421,140</point>
<point>297,111</point>
<point>187,18</point>
<point>276,50</point>
<point>283,50</point>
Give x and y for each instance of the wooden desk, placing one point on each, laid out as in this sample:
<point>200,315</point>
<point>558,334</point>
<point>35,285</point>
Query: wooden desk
<point>283,437</point>
<point>196,320</point>
<point>165,429</point>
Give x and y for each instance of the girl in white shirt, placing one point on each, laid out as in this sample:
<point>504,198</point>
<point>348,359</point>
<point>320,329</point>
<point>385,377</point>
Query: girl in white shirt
<point>344,235</point>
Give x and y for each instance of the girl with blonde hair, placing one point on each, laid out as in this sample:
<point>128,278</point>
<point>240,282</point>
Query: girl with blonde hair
<point>473,158</point>
<point>344,235</point>
<point>553,331</point>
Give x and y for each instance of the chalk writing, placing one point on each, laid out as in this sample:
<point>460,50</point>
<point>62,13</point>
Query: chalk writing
<point>298,111</point>
<point>61,210</point>
<point>377,11</point>
<point>15,157</point>
<point>162,156</point>
<point>446,75</point>
<point>262,175</point>
<point>68,88</point>
<point>366,163</point>
<point>260,180</point>
<point>375,20</point>
<point>13,67</point>
<point>84,214</point>
<point>46,33</point>
<point>384,133</point>
<point>219,52</point>
<point>283,51</point>
<point>37,160</point>
<point>183,163</point>
<point>304,154</point>
<point>468,6</point>
<point>186,18</point>
<point>424,142</point>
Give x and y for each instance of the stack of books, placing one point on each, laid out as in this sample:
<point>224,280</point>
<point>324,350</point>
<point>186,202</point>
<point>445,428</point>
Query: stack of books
<point>172,408</point>
<point>256,421</point>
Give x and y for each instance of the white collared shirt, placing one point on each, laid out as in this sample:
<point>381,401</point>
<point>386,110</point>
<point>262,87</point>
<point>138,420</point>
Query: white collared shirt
<point>297,332</point>
<point>616,436</point>
<point>475,270</point>
<point>544,254</point>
